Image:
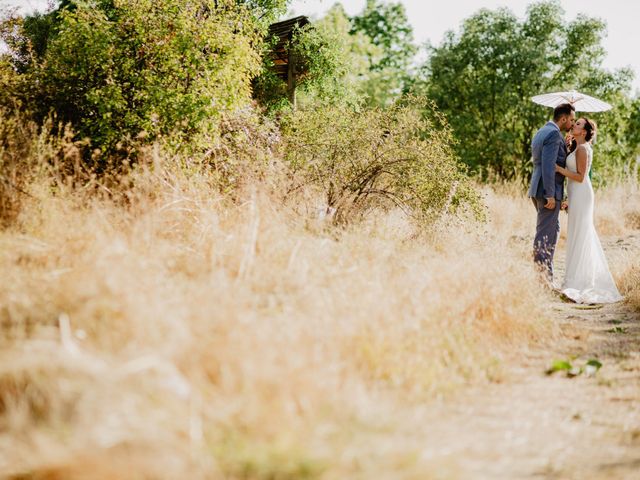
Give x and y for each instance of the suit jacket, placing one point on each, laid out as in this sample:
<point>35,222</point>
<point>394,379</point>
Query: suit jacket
<point>548,149</point>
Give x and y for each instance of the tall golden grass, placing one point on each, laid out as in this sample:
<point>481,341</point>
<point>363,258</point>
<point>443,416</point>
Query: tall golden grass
<point>170,332</point>
<point>618,220</point>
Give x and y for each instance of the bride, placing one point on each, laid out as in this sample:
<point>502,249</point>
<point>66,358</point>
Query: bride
<point>587,277</point>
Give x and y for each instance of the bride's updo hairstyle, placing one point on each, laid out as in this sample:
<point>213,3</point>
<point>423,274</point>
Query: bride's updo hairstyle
<point>591,128</point>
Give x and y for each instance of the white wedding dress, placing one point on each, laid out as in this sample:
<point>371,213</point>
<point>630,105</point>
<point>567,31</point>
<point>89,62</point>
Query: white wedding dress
<point>587,277</point>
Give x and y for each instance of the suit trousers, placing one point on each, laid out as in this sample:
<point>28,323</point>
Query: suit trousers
<point>547,229</point>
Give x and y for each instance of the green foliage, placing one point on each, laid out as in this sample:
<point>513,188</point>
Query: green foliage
<point>618,330</point>
<point>400,156</point>
<point>386,24</point>
<point>261,12</point>
<point>617,143</point>
<point>590,368</point>
<point>559,366</point>
<point>483,77</point>
<point>329,62</point>
<point>125,71</point>
<point>268,88</point>
<point>342,60</point>
<point>8,83</point>
<point>633,126</point>
<point>244,152</point>
<point>388,28</point>
<point>325,51</point>
<point>13,30</point>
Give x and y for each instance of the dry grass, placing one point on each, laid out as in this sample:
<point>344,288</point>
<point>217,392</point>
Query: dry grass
<point>629,283</point>
<point>617,210</point>
<point>618,216</point>
<point>617,219</point>
<point>179,335</point>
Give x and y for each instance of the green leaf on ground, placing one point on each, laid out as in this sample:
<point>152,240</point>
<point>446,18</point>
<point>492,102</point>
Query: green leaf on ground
<point>588,307</point>
<point>559,365</point>
<point>617,330</point>
<point>590,368</point>
<point>595,363</point>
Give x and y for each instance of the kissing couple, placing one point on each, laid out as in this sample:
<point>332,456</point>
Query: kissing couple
<point>587,276</point>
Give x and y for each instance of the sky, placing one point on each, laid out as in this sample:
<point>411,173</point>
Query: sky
<point>430,19</point>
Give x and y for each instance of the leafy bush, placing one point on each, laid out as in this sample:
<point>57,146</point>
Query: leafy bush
<point>8,82</point>
<point>245,153</point>
<point>617,144</point>
<point>122,71</point>
<point>329,62</point>
<point>388,28</point>
<point>323,54</point>
<point>401,156</point>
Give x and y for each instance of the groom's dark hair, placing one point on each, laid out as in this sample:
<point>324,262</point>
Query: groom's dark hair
<point>561,110</point>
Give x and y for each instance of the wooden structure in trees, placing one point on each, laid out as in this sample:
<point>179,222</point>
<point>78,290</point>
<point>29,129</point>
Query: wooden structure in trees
<point>284,62</point>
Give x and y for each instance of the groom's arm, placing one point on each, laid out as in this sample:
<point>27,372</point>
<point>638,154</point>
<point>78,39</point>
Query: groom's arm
<point>550,148</point>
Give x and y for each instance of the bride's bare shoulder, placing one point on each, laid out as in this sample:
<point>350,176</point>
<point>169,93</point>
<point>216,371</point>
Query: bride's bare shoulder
<point>582,148</point>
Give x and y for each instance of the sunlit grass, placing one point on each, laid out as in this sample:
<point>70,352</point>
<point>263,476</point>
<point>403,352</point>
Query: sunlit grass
<point>177,334</point>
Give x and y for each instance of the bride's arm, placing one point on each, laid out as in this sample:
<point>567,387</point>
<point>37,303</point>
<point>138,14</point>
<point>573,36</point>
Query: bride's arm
<point>581,163</point>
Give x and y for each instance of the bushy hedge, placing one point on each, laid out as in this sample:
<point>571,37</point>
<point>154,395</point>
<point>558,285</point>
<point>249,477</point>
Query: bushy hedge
<point>125,70</point>
<point>400,156</point>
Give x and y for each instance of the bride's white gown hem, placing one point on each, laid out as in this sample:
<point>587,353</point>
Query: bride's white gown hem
<point>587,276</point>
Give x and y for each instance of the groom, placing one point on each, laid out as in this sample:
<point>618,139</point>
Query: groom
<point>547,187</point>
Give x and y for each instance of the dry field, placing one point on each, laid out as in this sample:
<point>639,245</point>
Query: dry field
<point>171,333</point>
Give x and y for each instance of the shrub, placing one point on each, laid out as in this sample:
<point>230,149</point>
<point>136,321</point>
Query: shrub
<point>244,153</point>
<point>125,71</point>
<point>330,64</point>
<point>630,286</point>
<point>400,156</point>
<point>27,149</point>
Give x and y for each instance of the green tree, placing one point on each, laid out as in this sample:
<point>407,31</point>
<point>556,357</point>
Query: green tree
<point>262,12</point>
<point>331,61</point>
<point>483,77</point>
<point>387,26</point>
<point>121,70</point>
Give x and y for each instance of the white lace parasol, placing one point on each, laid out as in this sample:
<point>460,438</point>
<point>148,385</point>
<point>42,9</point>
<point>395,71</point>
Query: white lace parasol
<point>580,101</point>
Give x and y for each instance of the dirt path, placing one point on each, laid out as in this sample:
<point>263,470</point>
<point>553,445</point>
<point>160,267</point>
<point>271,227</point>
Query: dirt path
<point>552,427</point>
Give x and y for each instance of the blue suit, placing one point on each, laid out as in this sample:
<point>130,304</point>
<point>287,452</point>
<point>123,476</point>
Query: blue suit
<point>548,149</point>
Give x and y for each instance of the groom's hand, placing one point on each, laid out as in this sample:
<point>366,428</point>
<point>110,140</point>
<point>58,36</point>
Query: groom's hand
<point>551,203</point>
<point>568,139</point>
